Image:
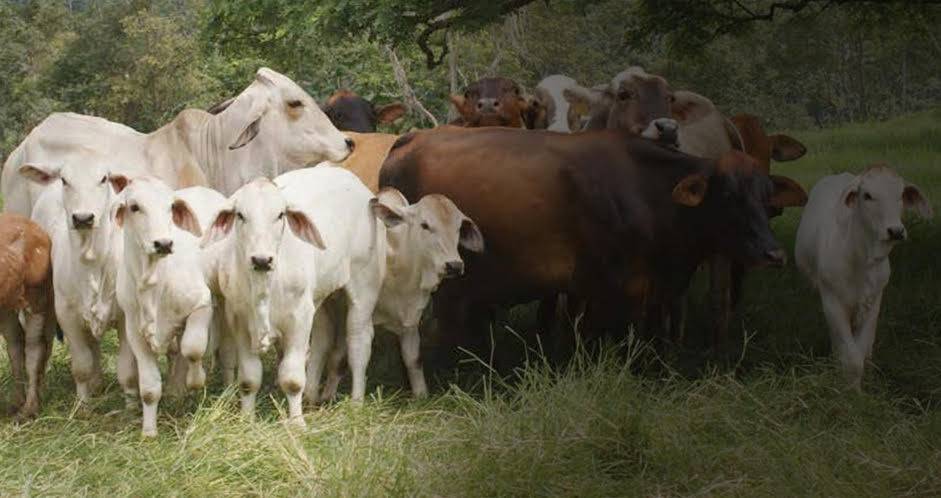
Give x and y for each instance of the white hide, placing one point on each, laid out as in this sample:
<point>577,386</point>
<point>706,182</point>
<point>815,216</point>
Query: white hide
<point>843,245</point>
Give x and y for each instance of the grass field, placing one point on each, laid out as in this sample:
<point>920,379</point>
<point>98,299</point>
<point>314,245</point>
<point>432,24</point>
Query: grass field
<point>775,420</point>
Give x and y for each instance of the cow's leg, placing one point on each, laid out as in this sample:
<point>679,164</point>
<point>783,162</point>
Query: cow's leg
<point>841,336</point>
<point>292,375</point>
<point>193,345</point>
<point>250,373</point>
<point>335,364</point>
<point>37,344</point>
<point>321,343</point>
<point>127,369</point>
<point>148,375</point>
<point>82,355</point>
<point>16,348</point>
<point>866,333</point>
<point>720,289</point>
<point>410,343</point>
<point>225,345</point>
<point>176,381</point>
<point>359,335</point>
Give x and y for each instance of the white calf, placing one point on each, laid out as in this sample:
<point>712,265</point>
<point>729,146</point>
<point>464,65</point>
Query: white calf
<point>86,251</point>
<point>161,288</point>
<point>423,241</point>
<point>848,228</point>
<point>265,275</point>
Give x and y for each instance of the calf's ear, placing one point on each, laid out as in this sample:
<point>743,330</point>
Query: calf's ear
<point>40,173</point>
<point>851,193</point>
<point>221,226</point>
<point>787,193</point>
<point>916,201</point>
<point>118,182</point>
<point>304,228</point>
<point>582,99</point>
<point>470,236</point>
<point>184,218</point>
<point>785,148</point>
<point>458,102</point>
<point>387,214</point>
<point>691,191</point>
<point>389,112</point>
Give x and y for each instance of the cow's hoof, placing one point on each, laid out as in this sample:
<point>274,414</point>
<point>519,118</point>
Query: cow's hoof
<point>148,433</point>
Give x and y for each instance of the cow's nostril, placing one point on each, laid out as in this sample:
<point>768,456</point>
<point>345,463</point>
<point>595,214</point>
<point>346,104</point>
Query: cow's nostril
<point>350,144</point>
<point>83,220</point>
<point>896,233</point>
<point>776,256</point>
<point>262,263</point>
<point>454,268</point>
<point>163,246</point>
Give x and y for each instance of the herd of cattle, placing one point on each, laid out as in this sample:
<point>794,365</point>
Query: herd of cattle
<point>209,238</point>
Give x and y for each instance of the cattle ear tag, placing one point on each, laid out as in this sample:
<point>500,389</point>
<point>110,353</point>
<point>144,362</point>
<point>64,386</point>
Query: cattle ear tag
<point>691,190</point>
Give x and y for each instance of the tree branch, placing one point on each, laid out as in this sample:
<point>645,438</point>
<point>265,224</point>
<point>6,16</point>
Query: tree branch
<point>407,93</point>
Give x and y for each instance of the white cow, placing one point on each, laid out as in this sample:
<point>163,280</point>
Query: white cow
<point>273,126</point>
<point>86,252</point>
<point>161,288</point>
<point>423,240</point>
<point>273,279</point>
<point>849,226</point>
<point>560,115</point>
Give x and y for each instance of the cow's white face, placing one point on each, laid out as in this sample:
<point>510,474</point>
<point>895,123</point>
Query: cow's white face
<point>87,191</point>
<point>147,210</point>
<point>428,233</point>
<point>879,196</point>
<point>257,216</point>
<point>291,122</point>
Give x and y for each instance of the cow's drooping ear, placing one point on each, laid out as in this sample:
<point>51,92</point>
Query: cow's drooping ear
<point>787,193</point>
<point>688,107</point>
<point>470,236</point>
<point>249,134</point>
<point>220,227</point>
<point>851,193</point>
<point>221,106</point>
<point>691,191</point>
<point>916,201</point>
<point>390,112</point>
<point>41,174</point>
<point>118,182</point>
<point>184,217</point>
<point>304,228</point>
<point>387,214</point>
<point>785,148</point>
<point>582,99</point>
<point>458,102</point>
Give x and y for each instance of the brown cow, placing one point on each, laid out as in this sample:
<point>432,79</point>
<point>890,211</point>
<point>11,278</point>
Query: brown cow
<point>491,102</point>
<point>26,286</point>
<point>350,112</point>
<point>598,214</point>
<point>366,159</point>
<point>764,147</point>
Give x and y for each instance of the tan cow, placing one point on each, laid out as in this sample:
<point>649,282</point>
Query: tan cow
<point>273,126</point>
<point>26,290</point>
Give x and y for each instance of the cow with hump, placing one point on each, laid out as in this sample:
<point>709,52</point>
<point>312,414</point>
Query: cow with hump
<point>273,126</point>
<point>848,229</point>
<point>603,214</point>
<point>26,288</point>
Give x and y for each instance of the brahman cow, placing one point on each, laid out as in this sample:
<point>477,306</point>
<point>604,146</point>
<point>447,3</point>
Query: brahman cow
<point>350,112</point>
<point>849,227</point>
<point>161,288</point>
<point>599,213</point>
<point>87,249</point>
<point>26,288</point>
<point>273,126</point>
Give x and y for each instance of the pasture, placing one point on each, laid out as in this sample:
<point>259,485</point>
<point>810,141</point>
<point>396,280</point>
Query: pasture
<point>772,419</point>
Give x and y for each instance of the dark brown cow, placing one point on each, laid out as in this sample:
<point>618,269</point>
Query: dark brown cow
<point>26,285</point>
<point>598,214</point>
<point>491,102</point>
<point>350,112</point>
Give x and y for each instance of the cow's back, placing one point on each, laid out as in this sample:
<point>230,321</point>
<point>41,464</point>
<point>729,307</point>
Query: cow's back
<point>820,228</point>
<point>366,159</point>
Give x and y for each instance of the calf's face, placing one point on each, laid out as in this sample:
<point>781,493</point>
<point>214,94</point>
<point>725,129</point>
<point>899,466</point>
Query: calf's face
<point>350,112</point>
<point>86,191</point>
<point>734,200</point>
<point>879,196</point>
<point>428,233</point>
<point>256,216</point>
<point>147,210</point>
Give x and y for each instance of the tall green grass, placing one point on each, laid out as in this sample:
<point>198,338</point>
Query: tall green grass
<point>774,421</point>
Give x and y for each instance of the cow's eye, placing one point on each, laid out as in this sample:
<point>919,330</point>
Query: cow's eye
<point>867,196</point>
<point>625,95</point>
<point>671,98</point>
<point>425,226</point>
<point>240,216</point>
<point>104,179</point>
<point>134,208</point>
<point>64,182</point>
<point>280,216</point>
<point>294,104</point>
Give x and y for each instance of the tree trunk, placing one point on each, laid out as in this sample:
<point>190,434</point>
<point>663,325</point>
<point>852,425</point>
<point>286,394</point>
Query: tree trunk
<point>452,73</point>
<point>407,93</point>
